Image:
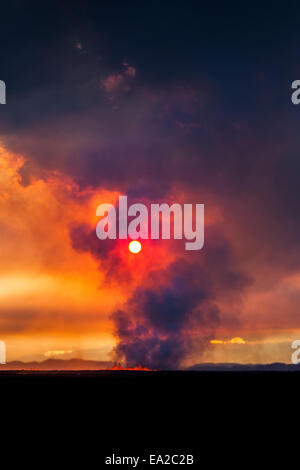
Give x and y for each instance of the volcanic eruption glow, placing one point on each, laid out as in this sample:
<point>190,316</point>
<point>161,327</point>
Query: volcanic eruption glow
<point>120,367</point>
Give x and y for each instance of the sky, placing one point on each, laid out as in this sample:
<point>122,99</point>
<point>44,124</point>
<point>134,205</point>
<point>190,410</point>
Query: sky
<point>185,102</point>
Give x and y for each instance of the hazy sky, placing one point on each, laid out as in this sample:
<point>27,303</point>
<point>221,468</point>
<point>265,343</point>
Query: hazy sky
<point>165,102</point>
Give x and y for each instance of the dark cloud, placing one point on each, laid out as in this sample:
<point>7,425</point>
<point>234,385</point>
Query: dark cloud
<point>161,325</point>
<point>199,106</point>
<point>163,320</point>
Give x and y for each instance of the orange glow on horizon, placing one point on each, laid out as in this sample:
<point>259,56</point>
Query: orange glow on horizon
<point>235,340</point>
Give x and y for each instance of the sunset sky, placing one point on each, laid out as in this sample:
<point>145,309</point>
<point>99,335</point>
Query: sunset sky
<point>164,102</point>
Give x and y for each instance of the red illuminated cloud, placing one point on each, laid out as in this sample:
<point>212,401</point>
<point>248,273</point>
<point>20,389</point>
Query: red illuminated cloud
<point>120,82</point>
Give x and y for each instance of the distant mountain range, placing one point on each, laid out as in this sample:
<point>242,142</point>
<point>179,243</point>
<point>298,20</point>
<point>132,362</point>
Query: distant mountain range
<point>275,366</point>
<point>82,364</point>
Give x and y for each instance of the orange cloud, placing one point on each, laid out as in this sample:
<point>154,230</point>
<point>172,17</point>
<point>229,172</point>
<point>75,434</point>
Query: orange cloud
<point>45,284</point>
<point>50,290</point>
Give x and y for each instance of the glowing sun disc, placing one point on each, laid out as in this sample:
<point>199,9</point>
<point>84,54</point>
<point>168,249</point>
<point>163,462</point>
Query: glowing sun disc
<point>134,246</point>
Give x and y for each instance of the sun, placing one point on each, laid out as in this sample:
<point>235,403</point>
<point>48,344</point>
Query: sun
<point>134,246</point>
